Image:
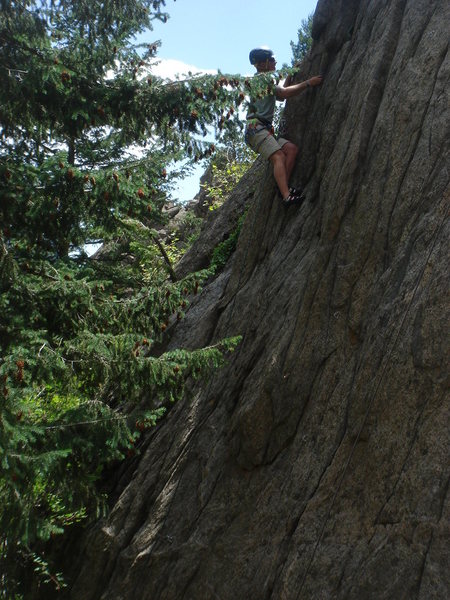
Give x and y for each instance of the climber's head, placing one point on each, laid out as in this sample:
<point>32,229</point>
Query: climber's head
<point>263,59</point>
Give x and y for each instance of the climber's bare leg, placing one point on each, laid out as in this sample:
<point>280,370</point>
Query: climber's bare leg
<point>278,160</point>
<point>290,151</point>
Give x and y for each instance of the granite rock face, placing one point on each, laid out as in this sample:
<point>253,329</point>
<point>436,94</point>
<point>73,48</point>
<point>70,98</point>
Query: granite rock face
<point>315,464</point>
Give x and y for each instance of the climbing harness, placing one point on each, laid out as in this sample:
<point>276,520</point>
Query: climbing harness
<point>254,128</point>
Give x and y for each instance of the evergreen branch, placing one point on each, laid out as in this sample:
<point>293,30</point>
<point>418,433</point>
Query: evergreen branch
<point>164,254</point>
<point>73,329</point>
<point>89,422</point>
<point>11,69</point>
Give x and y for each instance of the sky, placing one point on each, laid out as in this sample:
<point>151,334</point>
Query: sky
<point>211,35</point>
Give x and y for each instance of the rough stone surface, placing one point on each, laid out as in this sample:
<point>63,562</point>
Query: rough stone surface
<point>315,464</point>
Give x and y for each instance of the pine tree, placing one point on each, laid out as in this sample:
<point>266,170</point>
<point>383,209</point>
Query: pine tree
<point>302,46</point>
<point>87,139</point>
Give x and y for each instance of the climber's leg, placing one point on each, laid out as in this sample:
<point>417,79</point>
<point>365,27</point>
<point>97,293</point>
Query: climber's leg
<point>290,151</point>
<point>278,160</point>
<point>281,154</point>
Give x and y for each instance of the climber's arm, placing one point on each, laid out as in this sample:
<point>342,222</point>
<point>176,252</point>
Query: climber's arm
<point>293,90</point>
<point>289,78</point>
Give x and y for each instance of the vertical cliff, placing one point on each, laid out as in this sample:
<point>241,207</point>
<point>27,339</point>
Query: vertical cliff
<point>314,465</point>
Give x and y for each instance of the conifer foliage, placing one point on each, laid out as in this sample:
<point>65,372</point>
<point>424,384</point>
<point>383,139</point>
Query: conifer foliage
<point>87,135</point>
<point>302,46</point>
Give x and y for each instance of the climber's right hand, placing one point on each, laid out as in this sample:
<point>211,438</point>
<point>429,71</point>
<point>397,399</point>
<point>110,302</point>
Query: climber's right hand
<point>316,80</point>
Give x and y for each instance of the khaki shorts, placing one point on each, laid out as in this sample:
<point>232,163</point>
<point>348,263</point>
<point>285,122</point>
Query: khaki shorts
<point>263,142</point>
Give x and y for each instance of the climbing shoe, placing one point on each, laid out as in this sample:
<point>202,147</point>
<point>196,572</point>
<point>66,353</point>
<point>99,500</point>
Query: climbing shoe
<point>297,192</point>
<point>291,199</point>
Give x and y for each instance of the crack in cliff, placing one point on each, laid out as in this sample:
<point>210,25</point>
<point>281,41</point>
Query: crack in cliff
<point>423,566</point>
<point>289,439</point>
<point>317,374</point>
<point>282,563</point>
<point>413,152</point>
<point>162,538</point>
<point>421,32</point>
<point>307,310</point>
<point>182,456</point>
<point>416,430</point>
<point>130,531</point>
<point>422,574</point>
<point>375,94</point>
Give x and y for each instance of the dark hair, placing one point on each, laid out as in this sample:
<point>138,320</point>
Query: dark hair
<point>261,54</point>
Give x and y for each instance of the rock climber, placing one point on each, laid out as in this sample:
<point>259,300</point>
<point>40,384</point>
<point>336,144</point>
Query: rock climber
<point>259,133</point>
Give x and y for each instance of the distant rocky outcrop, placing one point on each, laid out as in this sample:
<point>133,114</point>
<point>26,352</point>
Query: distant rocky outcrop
<point>220,223</point>
<point>315,464</point>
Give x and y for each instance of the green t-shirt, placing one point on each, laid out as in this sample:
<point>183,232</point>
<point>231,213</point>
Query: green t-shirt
<point>262,108</point>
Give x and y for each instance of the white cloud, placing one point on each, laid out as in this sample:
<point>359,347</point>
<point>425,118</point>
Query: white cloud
<point>169,68</point>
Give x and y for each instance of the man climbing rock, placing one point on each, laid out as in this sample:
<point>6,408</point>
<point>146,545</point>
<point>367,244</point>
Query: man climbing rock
<point>259,133</point>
